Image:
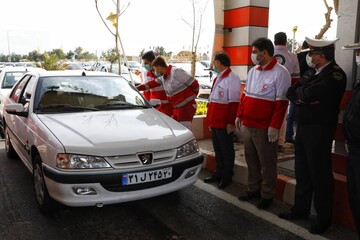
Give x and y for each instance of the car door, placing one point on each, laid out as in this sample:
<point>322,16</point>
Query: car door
<point>21,130</point>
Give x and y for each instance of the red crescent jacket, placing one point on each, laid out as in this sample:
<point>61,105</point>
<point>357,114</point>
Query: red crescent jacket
<point>180,87</point>
<point>157,92</point>
<point>263,102</point>
<point>289,60</point>
<point>223,100</point>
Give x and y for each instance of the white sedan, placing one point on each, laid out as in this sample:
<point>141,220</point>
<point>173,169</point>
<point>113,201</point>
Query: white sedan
<point>8,77</point>
<point>90,139</point>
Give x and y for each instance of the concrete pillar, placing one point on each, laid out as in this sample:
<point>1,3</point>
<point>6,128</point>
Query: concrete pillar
<point>241,22</point>
<point>348,32</point>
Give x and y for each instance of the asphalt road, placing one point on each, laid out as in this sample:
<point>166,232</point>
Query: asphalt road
<point>197,212</point>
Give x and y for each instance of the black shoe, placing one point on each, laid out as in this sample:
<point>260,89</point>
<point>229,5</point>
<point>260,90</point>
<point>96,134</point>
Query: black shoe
<point>319,228</point>
<point>290,140</point>
<point>265,203</point>
<point>250,195</point>
<point>292,216</point>
<point>212,178</point>
<point>224,183</point>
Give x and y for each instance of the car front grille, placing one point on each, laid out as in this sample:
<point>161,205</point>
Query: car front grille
<point>133,160</point>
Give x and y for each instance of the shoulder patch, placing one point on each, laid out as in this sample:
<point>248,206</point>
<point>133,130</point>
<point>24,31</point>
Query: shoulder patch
<point>337,76</point>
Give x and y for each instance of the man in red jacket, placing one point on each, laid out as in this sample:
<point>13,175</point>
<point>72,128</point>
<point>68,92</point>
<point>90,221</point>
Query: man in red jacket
<point>222,106</point>
<point>261,111</point>
<point>157,92</point>
<point>181,90</point>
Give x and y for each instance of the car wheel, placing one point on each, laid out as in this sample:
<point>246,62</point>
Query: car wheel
<point>10,151</point>
<point>43,199</point>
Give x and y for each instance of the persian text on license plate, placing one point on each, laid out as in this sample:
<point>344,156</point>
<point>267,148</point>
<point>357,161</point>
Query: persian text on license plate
<point>149,176</point>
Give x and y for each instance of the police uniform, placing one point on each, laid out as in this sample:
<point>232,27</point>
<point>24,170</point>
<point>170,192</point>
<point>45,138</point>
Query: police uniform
<point>351,129</point>
<point>317,95</point>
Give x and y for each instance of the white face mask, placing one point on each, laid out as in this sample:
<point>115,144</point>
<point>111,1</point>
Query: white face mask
<point>309,61</point>
<point>253,58</point>
<point>357,60</point>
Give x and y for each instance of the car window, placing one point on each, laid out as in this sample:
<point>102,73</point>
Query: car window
<point>97,92</point>
<point>28,92</point>
<point>11,78</point>
<point>15,94</point>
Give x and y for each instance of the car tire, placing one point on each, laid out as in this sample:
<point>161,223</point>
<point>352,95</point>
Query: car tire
<point>43,199</point>
<point>10,151</point>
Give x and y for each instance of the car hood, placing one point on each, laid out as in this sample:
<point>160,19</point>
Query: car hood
<point>116,132</point>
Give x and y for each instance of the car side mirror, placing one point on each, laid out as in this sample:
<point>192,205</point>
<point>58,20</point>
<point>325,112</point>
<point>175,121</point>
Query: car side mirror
<point>16,109</point>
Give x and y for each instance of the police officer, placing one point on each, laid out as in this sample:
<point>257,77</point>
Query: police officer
<point>317,94</point>
<point>351,129</point>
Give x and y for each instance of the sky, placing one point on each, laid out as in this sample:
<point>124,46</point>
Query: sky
<point>44,25</point>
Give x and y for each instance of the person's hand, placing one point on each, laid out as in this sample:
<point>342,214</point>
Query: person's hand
<point>238,123</point>
<point>273,134</point>
<point>230,128</point>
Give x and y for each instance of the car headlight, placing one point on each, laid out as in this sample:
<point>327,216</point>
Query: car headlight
<point>72,161</point>
<point>187,149</point>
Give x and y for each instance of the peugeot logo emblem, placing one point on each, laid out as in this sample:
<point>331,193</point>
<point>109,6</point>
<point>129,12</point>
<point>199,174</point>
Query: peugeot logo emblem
<point>146,158</point>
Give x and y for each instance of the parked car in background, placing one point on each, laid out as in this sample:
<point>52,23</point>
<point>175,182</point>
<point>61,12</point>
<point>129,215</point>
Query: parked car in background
<point>73,66</point>
<point>205,63</point>
<point>90,139</point>
<point>201,74</point>
<point>25,64</point>
<point>8,77</point>
<point>113,68</point>
<point>133,65</point>
<point>87,65</point>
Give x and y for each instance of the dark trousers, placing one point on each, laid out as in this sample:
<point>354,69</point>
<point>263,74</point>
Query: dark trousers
<point>353,183</point>
<point>223,144</point>
<point>289,134</point>
<point>313,171</point>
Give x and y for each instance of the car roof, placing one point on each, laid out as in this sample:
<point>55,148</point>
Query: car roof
<point>13,69</point>
<point>21,69</point>
<point>74,73</point>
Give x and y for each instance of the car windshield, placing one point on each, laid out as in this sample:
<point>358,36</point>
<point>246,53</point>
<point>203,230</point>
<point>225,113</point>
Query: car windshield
<point>86,93</point>
<point>11,78</point>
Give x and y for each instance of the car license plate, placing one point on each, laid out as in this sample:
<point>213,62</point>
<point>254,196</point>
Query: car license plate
<point>149,176</point>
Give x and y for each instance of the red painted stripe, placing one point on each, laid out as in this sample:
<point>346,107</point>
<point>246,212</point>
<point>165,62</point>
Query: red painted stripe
<point>345,99</point>
<point>341,209</point>
<point>339,163</point>
<point>206,131</point>
<point>246,16</point>
<point>339,135</point>
<point>280,186</point>
<point>239,55</point>
<point>210,164</point>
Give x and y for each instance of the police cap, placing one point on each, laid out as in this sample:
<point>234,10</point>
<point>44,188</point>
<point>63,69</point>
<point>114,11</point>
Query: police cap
<point>320,44</point>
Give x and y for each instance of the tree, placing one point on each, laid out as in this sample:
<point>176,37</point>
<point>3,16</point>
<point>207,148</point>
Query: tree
<point>51,62</point>
<point>114,19</point>
<point>35,56</point>
<point>195,25</point>
<point>328,20</point>
<point>110,55</point>
<point>58,52</point>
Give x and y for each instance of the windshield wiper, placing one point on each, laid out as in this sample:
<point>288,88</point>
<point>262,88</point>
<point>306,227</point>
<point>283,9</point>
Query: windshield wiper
<point>119,104</point>
<point>66,106</point>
